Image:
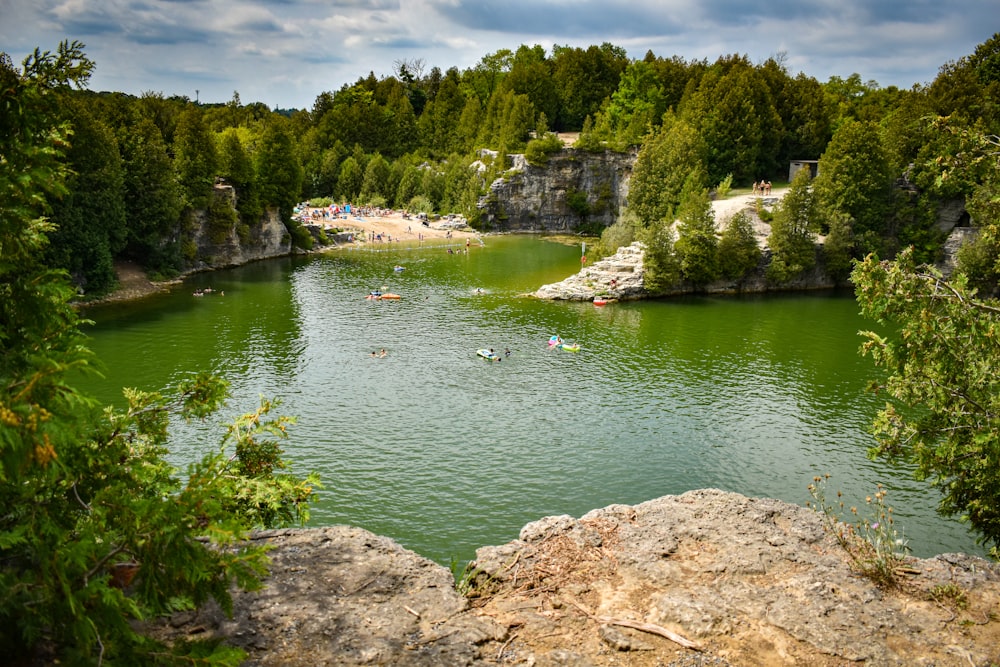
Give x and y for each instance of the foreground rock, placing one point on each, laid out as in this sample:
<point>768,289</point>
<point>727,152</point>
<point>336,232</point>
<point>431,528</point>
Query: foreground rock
<point>745,581</point>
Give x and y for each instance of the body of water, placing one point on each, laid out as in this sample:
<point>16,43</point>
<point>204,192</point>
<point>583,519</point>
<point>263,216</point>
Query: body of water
<point>444,451</point>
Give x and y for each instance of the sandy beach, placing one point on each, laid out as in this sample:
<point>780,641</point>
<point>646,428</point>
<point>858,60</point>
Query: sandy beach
<point>392,227</point>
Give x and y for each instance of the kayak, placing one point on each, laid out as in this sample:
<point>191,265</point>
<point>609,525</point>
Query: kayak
<point>389,295</point>
<point>489,355</point>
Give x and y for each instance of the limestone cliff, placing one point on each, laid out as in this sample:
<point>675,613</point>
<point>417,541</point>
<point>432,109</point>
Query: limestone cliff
<point>704,578</point>
<point>234,245</point>
<point>575,190</point>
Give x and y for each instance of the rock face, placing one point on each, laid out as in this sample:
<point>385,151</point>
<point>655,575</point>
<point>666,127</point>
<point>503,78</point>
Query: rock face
<point>575,189</point>
<point>743,581</point>
<point>268,238</point>
<point>616,277</point>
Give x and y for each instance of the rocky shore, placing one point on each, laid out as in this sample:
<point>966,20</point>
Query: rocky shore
<point>704,578</point>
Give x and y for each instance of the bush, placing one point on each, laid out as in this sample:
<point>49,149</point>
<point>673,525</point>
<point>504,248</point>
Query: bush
<point>538,150</point>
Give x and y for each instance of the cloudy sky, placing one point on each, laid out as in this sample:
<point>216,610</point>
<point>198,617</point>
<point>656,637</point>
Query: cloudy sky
<point>285,52</point>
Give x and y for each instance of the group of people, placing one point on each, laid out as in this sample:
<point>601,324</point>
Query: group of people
<point>763,188</point>
<point>379,355</point>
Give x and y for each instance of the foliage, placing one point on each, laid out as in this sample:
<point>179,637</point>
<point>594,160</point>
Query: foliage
<point>872,543</point>
<point>697,242</point>
<point>661,169</point>
<point>661,267</point>
<point>738,250</point>
<point>90,219</point>
<point>97,529</point>
<point>724,187</point>
<point>196,160</point>
<point>538,151</point>
<point>838,246</point>
<point>793,249</point>
<point>623,232</point>
<point>855,181</point>
<point>222,220</point>
<point>940,361</point>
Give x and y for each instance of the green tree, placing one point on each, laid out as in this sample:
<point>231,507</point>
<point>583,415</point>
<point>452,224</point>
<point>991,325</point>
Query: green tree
<point>662,168</point>
<point>855,180</point>
<point>278,170</point>
<point>732,109</point>
<point>583,79</point>
<point>531,75</point>
<point>940,358</point>
<point>838,247</point>
<point>661,268</point>
<point>793,248</point>
<point>153,199</point>
<point>195,158</point>
<point>349,180</point>
<point>238,170</point>
<point>97,530</point>
<point>697,242</point>
<point>738,249</point>
<point>635,107</point>
<point>90,219</point>
<point>376,181</point>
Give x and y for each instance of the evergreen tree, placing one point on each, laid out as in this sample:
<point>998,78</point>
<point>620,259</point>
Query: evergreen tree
<point>278,170</point>
<point>153,199</point>
<point>195,158</point>
<point>662,168</point>
<point>793,249</point>
<point>238,170</point>
<point>349,180</point>
<point>738,250</point>
<point>697,243</point>
<point>90,504</point>
<point>854,180</point>
<point>90,219</point>
<point>661,268</point>
<point>375,185</point>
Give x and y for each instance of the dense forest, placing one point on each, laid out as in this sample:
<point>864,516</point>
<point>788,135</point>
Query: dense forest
<point>98,531</point>
<point>142,164</point>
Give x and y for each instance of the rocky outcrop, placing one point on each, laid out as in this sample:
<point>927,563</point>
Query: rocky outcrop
<point>235,246</point>
<point>574,190</point>
<point>616,277</point>
<point>704,578</point>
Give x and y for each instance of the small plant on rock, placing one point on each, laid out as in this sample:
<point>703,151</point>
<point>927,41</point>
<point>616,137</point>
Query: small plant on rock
<point>875,548</point>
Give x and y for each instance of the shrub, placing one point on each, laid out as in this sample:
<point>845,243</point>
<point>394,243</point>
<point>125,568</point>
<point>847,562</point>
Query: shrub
<point>874,547</point>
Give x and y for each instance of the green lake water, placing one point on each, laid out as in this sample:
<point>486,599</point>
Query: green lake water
<point>444,451</point>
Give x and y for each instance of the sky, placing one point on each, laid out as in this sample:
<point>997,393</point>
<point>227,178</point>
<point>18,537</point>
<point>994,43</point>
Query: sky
<point>284,53</point>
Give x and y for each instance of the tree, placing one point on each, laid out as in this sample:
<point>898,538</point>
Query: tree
<point>90,218</point>
<point>195,158</point>
<point>97,530</point>
<point>153,199</point>
<point>855,180</point>
<point>697,243</point>
<point>738,249</point>
<point>662,168</point>
<point>279,173</point>
<point>940,358</point>
<point>350,178</point>
<point>793,249</point>
<point>661,268</point>
<point>634,108</point>
<point>375,184</point>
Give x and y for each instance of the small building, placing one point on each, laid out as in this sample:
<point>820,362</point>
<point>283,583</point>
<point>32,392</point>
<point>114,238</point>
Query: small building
<point>795,165</point>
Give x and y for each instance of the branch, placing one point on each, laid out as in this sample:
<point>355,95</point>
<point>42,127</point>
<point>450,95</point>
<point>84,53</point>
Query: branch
<point>638,625</point>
